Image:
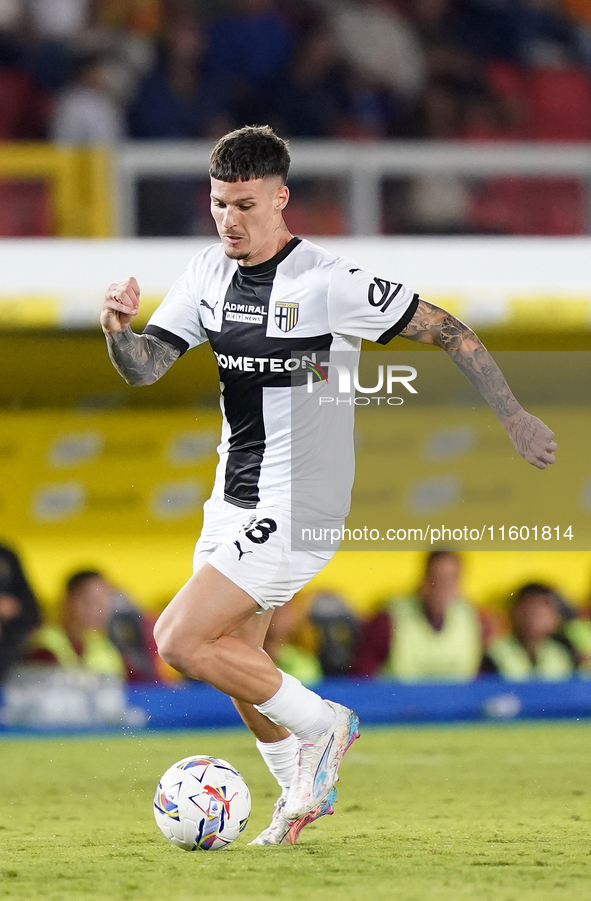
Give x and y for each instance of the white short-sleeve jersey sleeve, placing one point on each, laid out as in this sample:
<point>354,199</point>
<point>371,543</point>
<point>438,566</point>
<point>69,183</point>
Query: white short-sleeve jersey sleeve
<point>364,306</point>
<point>177,319</point>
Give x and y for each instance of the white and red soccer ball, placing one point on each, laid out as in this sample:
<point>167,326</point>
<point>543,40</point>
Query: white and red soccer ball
<point>202,803</point>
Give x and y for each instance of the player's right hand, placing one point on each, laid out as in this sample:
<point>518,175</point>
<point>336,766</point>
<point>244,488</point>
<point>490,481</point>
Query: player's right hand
<point>121,304</point>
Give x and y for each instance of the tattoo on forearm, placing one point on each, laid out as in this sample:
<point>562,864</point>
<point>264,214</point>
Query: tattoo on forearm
<point>140,359</point>
<point>432,325</point>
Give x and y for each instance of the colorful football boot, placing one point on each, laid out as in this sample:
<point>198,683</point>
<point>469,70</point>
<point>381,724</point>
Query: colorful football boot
<point>282,831</point>
<point>317,764</point>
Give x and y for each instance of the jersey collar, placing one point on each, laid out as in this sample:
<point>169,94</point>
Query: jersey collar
<point>268,265</point>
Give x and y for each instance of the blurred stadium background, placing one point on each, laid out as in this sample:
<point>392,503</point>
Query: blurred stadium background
<point>444,142</point>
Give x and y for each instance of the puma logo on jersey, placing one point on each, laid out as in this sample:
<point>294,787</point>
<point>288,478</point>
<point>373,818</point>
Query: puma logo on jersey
<point>351,271</point>
<point>204,303</point>
<point>241,553</point>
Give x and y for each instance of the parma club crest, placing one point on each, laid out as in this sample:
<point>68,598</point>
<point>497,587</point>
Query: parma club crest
<point>286,315</point>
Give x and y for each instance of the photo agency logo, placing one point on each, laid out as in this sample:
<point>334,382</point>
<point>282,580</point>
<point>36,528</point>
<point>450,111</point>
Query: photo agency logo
<point>344,380</point>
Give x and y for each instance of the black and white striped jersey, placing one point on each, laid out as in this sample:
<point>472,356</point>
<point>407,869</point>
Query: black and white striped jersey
<point>258,319</point>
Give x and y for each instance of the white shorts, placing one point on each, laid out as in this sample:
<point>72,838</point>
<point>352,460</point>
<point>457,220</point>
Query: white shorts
<point>252,549</point>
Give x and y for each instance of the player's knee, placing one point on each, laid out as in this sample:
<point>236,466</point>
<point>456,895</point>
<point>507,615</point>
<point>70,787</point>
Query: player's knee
<point>172,646</point>
<point>178,651</point>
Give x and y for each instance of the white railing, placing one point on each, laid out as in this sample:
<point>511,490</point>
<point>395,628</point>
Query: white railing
<point>363,166</point>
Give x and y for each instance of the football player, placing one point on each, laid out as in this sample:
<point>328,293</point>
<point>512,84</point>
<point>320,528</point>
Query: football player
<point>262,297</point>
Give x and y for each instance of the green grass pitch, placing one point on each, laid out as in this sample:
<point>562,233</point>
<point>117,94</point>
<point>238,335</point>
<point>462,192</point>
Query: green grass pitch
<point>493,813</point>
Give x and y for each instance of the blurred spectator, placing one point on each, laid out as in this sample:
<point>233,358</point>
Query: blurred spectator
<point>310,99</point>
<point>24,107</point>
<point>577,630</point>
<point>348,68</point>
<point>437,114</point>
<point>438,204</point>
<point>131,631</point>
<point>80,640</point>
<point>578,9</point>
<point>471,70</point>
<point>176,100</point>
<point>378,43</point>
<point>436,21</point>
<point>19,611</point>
<point>533,650</point>
<point>253,42</point>
<point>313,636</point>
<point>544,37</point>
<point>336,631</point>
<point>143,17</point>
<point>580,13</point>
<point>58,19</point>
<point>246,50</point>
<point>53,30</point>
<point>10,13</point>
<point>86,112</point>
<point>432,635</point>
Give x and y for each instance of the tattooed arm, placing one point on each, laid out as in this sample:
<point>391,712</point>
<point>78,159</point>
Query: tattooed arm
<point>139,359</point>
<point>431,325</point>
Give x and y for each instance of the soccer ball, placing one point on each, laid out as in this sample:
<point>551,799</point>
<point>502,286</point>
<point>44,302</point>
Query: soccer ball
<point>202,803</point>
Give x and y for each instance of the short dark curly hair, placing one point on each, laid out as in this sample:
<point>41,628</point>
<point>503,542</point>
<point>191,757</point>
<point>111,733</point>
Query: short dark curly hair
<point>77,579</point>
<point>254,151</point>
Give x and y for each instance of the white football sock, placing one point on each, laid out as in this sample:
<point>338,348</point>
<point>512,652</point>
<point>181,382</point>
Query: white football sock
<point>297,708</point>
<point>280,757</point>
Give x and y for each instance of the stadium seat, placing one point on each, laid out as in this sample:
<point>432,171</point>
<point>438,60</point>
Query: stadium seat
<point>25,210</point>
<point>498,206</point>
<point>559,104</point>
<point>557,206</point>
<point>529,206</point>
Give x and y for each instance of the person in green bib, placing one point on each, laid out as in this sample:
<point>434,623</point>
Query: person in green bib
<point>432,635</point>
<point>80,640</point>
<point>534,649</point>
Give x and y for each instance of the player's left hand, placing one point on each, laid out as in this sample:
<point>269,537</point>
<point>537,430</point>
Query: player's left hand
<point>532,439</point>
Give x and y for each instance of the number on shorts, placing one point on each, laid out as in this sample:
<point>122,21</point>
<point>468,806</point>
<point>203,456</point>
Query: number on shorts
<point>260,530</point>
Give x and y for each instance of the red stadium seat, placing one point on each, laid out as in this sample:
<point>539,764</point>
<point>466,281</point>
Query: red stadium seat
<point>506,79</point>
<point>557,206</point>
<point>529,206</point>
<point>559,104</point>
<point>499,206</point>
<point>25,210</point>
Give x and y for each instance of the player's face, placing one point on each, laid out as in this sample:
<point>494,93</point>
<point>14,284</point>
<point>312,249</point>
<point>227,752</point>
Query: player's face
<point>248,217</point>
